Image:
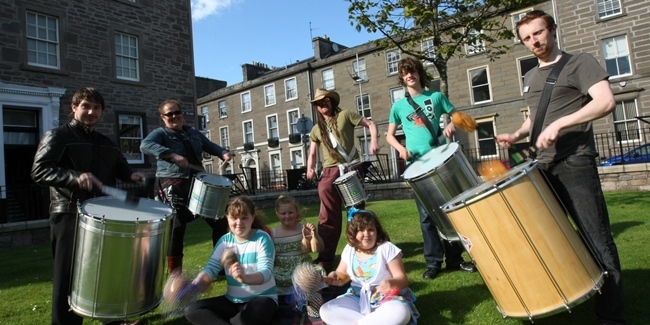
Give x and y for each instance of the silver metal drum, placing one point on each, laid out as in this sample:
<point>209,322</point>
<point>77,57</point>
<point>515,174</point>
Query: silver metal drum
<point>436,178</point>
<point>209,196</point>
<point>119,255</point>
<point>351,189</point>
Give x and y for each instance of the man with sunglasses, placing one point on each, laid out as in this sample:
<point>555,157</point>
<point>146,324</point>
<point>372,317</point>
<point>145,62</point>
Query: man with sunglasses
<point>178,149</point>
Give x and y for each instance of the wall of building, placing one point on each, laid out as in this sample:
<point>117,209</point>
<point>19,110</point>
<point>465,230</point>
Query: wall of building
<point>87,53</point>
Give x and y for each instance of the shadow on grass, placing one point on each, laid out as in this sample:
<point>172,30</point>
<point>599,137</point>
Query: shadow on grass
<point>618,228</point>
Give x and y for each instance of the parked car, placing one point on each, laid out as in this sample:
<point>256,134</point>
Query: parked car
<point>640,154</point>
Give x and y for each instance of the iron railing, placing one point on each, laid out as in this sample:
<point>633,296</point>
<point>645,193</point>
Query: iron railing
<point>31,201</point>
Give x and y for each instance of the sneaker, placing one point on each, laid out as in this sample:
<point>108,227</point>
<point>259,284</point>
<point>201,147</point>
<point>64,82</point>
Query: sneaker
<point>464,266</point>
<point>430,273</point>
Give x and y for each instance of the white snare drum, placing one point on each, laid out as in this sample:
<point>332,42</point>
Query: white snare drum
<point>437,177</point>
<point>119,261</point>
<point>209,196</point>
<point>351,189</point>
<point>530,256</point>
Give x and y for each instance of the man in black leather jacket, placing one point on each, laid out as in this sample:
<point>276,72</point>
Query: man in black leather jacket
<point>75,161</point>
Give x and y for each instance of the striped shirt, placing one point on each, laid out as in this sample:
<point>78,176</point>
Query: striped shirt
<point>256,255</point>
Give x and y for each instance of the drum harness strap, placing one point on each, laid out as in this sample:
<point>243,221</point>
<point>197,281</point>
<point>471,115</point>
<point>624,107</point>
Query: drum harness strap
<point>434,142</point>
<point>544,100</point>
<point>343,167</point>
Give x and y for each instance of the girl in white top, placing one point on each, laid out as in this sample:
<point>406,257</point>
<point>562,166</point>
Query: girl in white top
<point>379,292</point>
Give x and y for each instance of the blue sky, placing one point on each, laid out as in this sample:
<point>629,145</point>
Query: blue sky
<point>229,33</point>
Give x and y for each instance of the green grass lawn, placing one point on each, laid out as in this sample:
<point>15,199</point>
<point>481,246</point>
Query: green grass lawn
<point>452,298</point>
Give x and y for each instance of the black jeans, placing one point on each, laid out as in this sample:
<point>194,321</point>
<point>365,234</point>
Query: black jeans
<point>221,311</point>
<point>62,232</point>
<point>435,249</point>
<point>576,182</point>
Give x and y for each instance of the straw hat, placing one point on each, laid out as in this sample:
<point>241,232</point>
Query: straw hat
<point>332,95</point>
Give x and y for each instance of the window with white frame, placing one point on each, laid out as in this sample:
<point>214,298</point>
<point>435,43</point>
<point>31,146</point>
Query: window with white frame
<point>363,105</point>
<point>205,112</point>
<point>516,17</point>
<point>479,81</point>
<point>293,116</point>
<point>291,89</point>
<point>617,56</point>
<point>246,102</point>
<point>297,160</point>
<point>396,94</point>
<point>364,145</point>
<point>272,126</point>
<point>227,168</point>
<point>392,59</point>
<point>208,168</point>
<point>126,57</point>
<point>276,166</point>
<point>429,51</point>
<point>269,95</point>
<point>223,109</point>
<point>608,8</point>
<point>626,124</point>
<point>42,40</point>
<point>524,65</point>
<point>328,79</point>
<point>359,67</point>
<point>225,137</point>
<point>130,128</point>
<point>487,147</point>
<point>248,131</point>
<point>476,46</point>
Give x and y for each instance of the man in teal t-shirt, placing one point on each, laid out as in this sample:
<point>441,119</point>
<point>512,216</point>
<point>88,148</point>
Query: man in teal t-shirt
<point>419,141</point>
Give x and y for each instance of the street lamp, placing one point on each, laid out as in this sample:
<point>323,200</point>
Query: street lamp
<point>356,76</point>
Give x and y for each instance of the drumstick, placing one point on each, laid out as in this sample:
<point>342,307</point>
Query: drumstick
<point>178,293</point>
<point>228,257</point>
<point>468,124</point>
<point>120,194</point>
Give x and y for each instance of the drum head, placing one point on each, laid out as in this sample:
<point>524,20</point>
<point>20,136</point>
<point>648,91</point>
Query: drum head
<point>431,160</point>
<point>114,209</point>
<point>212,179</point>
<point>346,176</point>
<point>487,188</point>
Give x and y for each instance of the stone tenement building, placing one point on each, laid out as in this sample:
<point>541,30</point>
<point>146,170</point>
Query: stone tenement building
<point>136,52</point>
<point>258,119</point>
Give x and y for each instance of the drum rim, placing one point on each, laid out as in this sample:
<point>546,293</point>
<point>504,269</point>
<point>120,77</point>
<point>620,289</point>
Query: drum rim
<point>81,211</point>
<point>345,176</point>
<point>501,181</point>
<point>428,172</point>
<point>202,175</point>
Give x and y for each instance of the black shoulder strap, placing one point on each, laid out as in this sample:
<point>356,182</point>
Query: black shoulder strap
<point>423,117</point>
<point>546,97</point>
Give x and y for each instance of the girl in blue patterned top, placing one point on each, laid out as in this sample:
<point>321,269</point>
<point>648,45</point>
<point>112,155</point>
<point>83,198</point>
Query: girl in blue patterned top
<point>379,292</point>
<point>251,297</point>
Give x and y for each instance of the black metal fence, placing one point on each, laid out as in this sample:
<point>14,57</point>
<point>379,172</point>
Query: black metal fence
<point>31,201</point>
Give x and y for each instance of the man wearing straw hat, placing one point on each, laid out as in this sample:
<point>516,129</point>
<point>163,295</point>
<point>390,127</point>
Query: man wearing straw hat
<point>335,131</point>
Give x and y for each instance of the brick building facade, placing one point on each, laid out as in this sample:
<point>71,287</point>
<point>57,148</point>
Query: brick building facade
<point>491,91</point>
<point>136,52</point>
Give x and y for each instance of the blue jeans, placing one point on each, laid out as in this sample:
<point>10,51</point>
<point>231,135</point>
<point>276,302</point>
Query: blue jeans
<point>435,248</point>
<point>576,182</point>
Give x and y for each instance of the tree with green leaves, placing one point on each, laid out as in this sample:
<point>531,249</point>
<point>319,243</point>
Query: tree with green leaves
<point>447,26</point>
